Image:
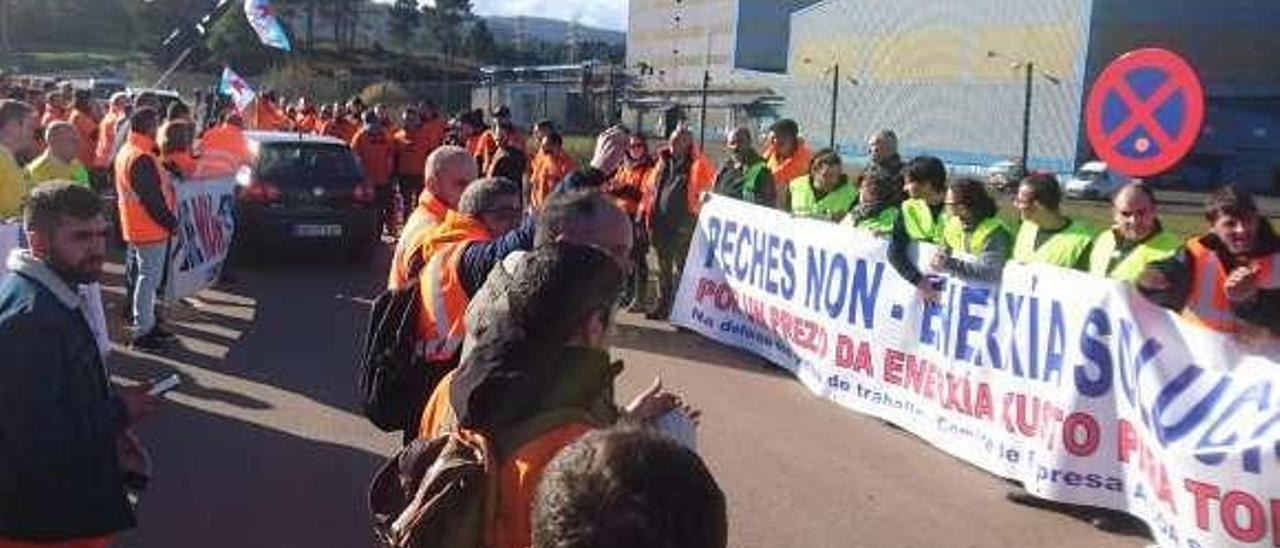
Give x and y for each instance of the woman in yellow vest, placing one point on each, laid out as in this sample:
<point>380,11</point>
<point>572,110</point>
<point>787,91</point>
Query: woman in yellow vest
<point>975,242</point>
<point>1136,239</point>
<point>923,216</point>
<point>879,203</point>
<point>825,193</point>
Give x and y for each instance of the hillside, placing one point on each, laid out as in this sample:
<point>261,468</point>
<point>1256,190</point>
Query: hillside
<point>549,30</point>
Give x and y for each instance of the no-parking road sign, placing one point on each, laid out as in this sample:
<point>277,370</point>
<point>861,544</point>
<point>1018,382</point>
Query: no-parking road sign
<point>1145,112</point>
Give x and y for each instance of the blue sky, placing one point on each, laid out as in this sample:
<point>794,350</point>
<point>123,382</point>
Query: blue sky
<point>610,14</point>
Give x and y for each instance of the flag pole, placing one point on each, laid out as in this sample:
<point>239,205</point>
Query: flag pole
<point>176,63</point>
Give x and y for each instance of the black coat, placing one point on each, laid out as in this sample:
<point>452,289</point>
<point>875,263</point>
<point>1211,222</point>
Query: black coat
<point>59,420</point>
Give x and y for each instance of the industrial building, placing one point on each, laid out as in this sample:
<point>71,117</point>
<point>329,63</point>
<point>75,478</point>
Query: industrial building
<point>672,45</point>
<point>942,75</point>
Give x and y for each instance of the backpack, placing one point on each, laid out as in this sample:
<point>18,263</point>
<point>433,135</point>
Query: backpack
<point>392,377</point>
<point>443,492</point>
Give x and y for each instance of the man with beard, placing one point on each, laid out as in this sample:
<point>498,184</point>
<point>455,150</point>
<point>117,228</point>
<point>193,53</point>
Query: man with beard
<point>60,419</point>
<point>17,126</point>
<point>745,175</point>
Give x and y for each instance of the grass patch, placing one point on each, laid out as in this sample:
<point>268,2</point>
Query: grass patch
<point>580,147</point>
<point>56,61</point>
<point>1185,222</point>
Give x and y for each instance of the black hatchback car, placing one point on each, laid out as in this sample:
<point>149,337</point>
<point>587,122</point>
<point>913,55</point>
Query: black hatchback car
<point>304,191</point>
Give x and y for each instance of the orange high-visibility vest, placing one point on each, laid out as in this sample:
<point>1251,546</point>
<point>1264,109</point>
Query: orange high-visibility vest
<point>412,148</point>
<point>630,180</point>
<point>52,114</point>
<point>475,146</point>
<point>518,477</point>
<point>184,162</point>
<point>1207,304</point>
<point>377,154</point>
<point>87,129</point>
<point>107,138</point>
<point>430,212</point>
<point>790,168</point>
<point>223,150</point>
<point>136,224</point>
<point>548,170</point>
<point>444,300</point>
<point>702,177</point>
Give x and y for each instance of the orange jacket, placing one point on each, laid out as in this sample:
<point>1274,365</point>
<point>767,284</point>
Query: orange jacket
<point>377,153</point>
<point>438,416</point>
<point>307,123</point>
<point>1207,304</point>
<point>788,169</point>
<point>702,177</point>
<point>87,129</point>
<point>435,130</point>
<point>107,138</point>
<point>223,150</point>
<point>429,213</point>
<point>546,171</point>
<point>340,127</point>
<point>489,145</point>
<point>412,149</point>
<point>627,186</point>
<point>135,223</point>
<point>475,146</point>
<point>184,162</point>
<point>518,473</point>
<point>52,114</point>
<point>443,298</point>
<point>518,478</point>
<point>266,116</point>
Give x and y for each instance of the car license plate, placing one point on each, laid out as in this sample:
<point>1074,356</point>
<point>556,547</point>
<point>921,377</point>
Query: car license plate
<point>317,231</point>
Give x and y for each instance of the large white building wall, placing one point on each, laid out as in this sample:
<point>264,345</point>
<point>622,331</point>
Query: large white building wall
<point>922,69</point>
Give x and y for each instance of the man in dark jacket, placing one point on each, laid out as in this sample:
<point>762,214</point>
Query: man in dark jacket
<point>745,176</point>
<point>60,419</point>
<point>885,161</point>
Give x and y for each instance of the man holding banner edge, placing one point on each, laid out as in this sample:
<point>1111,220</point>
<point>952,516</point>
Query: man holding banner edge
<point>1228,279</point>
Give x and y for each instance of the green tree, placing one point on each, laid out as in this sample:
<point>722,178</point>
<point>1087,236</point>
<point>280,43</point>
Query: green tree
<point>405,20</point>
<point>480,41</point>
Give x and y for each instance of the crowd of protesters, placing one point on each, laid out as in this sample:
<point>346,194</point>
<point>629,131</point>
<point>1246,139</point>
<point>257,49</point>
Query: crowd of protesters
<point>515,260</point>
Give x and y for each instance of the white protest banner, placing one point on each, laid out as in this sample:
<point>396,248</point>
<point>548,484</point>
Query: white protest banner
<point>206,223</point>
<point>1071,384</point>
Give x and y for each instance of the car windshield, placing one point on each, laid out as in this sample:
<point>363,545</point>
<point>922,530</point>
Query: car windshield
<point>308,164</point>
<point>1089,175</point>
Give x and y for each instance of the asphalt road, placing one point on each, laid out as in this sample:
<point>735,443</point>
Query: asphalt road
<point>262,446</point>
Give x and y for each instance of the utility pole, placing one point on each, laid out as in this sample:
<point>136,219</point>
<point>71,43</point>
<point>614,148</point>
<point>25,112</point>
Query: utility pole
<point>835,101</point>
<point>1026,118</point>
<point>706,85</point>
<point>5,44</point>
<point>702,119</point>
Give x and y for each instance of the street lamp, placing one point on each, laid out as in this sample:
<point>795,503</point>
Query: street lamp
<point>1029,66</point>
<point>834,71</point>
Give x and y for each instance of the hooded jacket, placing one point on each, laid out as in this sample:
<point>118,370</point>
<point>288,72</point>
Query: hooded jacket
<point>59,419</point>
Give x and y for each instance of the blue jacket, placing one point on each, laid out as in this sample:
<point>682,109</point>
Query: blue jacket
<point>59,419</point>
